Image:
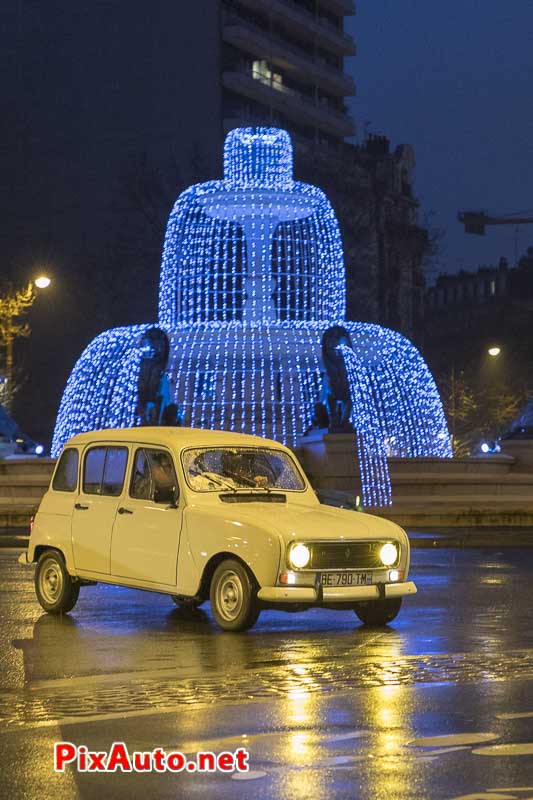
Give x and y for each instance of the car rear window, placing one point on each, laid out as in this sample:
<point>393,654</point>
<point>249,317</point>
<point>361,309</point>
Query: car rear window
<point>66,474</point>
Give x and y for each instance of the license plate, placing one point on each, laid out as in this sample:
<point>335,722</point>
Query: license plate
<point>346,578</point>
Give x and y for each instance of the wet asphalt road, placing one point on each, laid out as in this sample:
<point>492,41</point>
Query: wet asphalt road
<point>437,705</point>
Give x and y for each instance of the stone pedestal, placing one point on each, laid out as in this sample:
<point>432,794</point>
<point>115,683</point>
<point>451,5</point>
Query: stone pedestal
<point>522,452</point>
<point>330,460</point>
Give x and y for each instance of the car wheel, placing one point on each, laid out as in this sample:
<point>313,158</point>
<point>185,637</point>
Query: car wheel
<point>378,612</point>
<point>56,591</point>
<point>232,595</point>
<point>183,602</point>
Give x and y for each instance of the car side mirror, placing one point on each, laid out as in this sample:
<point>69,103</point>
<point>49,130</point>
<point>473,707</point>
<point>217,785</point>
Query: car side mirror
<point>358,506</point>
<point>166,494</point>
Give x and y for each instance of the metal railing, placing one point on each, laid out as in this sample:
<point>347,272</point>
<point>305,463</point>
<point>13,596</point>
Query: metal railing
<point>306,103</point>
<point>317,63</point>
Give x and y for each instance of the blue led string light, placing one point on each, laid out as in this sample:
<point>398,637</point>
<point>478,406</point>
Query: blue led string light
<point>252,274</point>
<point>101,391</point>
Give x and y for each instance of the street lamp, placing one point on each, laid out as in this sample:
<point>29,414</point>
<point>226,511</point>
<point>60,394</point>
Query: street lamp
<point>494,351</point>
<point>42,282</point>
<point>13,304</point>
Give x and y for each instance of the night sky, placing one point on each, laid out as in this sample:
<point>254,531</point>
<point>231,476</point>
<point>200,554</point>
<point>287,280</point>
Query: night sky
<point>87,91</point>
<point>454,79</point>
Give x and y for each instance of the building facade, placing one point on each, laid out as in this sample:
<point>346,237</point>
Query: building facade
<point>469,312</point>
<point>465,288</point>
<point>283,64</point>
<point>100,101</point>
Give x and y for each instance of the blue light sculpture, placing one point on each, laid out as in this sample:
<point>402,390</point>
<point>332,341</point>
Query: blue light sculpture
<point>252,274</point>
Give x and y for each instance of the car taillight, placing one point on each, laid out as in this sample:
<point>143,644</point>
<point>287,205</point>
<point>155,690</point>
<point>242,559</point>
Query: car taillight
<point>31,524</point>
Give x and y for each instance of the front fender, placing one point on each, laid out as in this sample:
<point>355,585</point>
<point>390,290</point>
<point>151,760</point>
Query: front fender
<point>208,533</point>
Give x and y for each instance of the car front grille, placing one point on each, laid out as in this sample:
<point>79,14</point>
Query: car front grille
<point>345,555</point>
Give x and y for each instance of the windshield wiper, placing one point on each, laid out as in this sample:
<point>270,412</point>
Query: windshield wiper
<point>252,484</point>
<point>215,479</point>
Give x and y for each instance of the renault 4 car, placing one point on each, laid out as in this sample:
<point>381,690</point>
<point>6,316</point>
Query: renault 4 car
<point>209,515</point>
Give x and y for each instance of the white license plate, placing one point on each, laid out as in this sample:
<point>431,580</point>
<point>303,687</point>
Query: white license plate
<point>346,578</point>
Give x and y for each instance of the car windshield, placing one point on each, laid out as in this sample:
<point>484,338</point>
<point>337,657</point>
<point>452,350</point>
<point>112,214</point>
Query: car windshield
<point>216,469</point>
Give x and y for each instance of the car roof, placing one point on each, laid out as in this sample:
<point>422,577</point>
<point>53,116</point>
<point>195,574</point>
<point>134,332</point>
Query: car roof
<point>173,437</point>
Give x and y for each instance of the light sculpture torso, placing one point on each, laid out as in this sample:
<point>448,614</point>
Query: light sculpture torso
<point>254,247</point>
<point>252,274</point>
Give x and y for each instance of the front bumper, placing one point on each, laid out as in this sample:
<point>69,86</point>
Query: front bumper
<point>337,594</point>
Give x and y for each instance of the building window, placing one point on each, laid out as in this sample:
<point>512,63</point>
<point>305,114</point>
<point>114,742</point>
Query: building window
<point>262,72</point>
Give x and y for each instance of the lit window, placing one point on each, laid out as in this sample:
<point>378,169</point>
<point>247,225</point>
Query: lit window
<point>262,72</point>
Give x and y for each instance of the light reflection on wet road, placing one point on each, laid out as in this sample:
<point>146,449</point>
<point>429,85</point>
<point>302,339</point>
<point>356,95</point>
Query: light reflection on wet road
<point>326,707</point>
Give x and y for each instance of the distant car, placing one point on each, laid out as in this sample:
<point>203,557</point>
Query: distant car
<point>201,515</point>
<point>19,445</point>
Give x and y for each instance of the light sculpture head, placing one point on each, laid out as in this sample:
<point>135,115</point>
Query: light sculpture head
<point>258,158</point>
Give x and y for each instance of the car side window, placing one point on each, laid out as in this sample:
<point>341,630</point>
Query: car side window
<point>153,476</point>
<point>104,470</point>
<point>66,474</point>
<point>93,470</point>
<point>114,471</point>
<point>141,479</point>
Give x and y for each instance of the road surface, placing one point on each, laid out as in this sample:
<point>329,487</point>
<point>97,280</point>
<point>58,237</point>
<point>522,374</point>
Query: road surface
<point>438,705</point>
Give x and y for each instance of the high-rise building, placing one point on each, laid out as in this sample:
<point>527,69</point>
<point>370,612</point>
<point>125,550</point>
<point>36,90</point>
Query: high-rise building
<point>283,64</point>
<point>86,95</point>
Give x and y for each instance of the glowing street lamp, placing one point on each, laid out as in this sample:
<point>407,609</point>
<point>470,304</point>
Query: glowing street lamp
<point>13,305</point>
<point>494,351</point>
<point>42,282</point>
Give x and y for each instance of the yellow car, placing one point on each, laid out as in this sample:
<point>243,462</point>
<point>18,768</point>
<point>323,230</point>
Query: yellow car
<point>209,515</point>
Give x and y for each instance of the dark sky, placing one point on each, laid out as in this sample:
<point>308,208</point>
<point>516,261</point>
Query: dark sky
<point>86,90</point>
<point>455,80</point>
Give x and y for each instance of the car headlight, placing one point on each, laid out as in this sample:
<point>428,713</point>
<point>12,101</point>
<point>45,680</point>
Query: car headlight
<point>388,554</point>
<point>299,556</point>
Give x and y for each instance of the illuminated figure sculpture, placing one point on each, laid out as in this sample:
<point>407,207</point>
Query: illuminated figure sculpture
<point>252,276</point>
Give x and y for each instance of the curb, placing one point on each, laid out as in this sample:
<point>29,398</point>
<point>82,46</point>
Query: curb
<point>472,541</point>
<point>475,536</point>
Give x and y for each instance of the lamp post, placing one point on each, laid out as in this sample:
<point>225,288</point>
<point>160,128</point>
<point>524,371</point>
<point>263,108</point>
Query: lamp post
<point>461,387</point>
<point>13,304</point>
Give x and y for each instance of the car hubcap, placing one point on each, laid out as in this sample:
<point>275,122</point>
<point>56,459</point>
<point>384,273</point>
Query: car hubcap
<point>51,581</point>
<point>229,596</point>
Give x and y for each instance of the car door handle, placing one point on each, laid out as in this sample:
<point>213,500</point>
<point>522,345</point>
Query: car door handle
<point>123,510</point>
<point>79,507</point>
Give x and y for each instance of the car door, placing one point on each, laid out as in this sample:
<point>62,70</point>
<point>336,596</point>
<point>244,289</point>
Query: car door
<point>95,508</point>
<point>147,527</point>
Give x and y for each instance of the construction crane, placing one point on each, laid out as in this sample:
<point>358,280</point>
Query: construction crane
<point>476,221</point>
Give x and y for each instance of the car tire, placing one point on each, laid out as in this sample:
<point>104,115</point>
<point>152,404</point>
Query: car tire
<point>233,597</point>
<point>378,612</point>
<point>56,591</point>
<point>186,603</point>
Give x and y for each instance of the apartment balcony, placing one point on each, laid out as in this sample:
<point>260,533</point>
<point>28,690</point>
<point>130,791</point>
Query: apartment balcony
<point>294,105</point>
<point>306,25</point>
<point>294,60</point>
